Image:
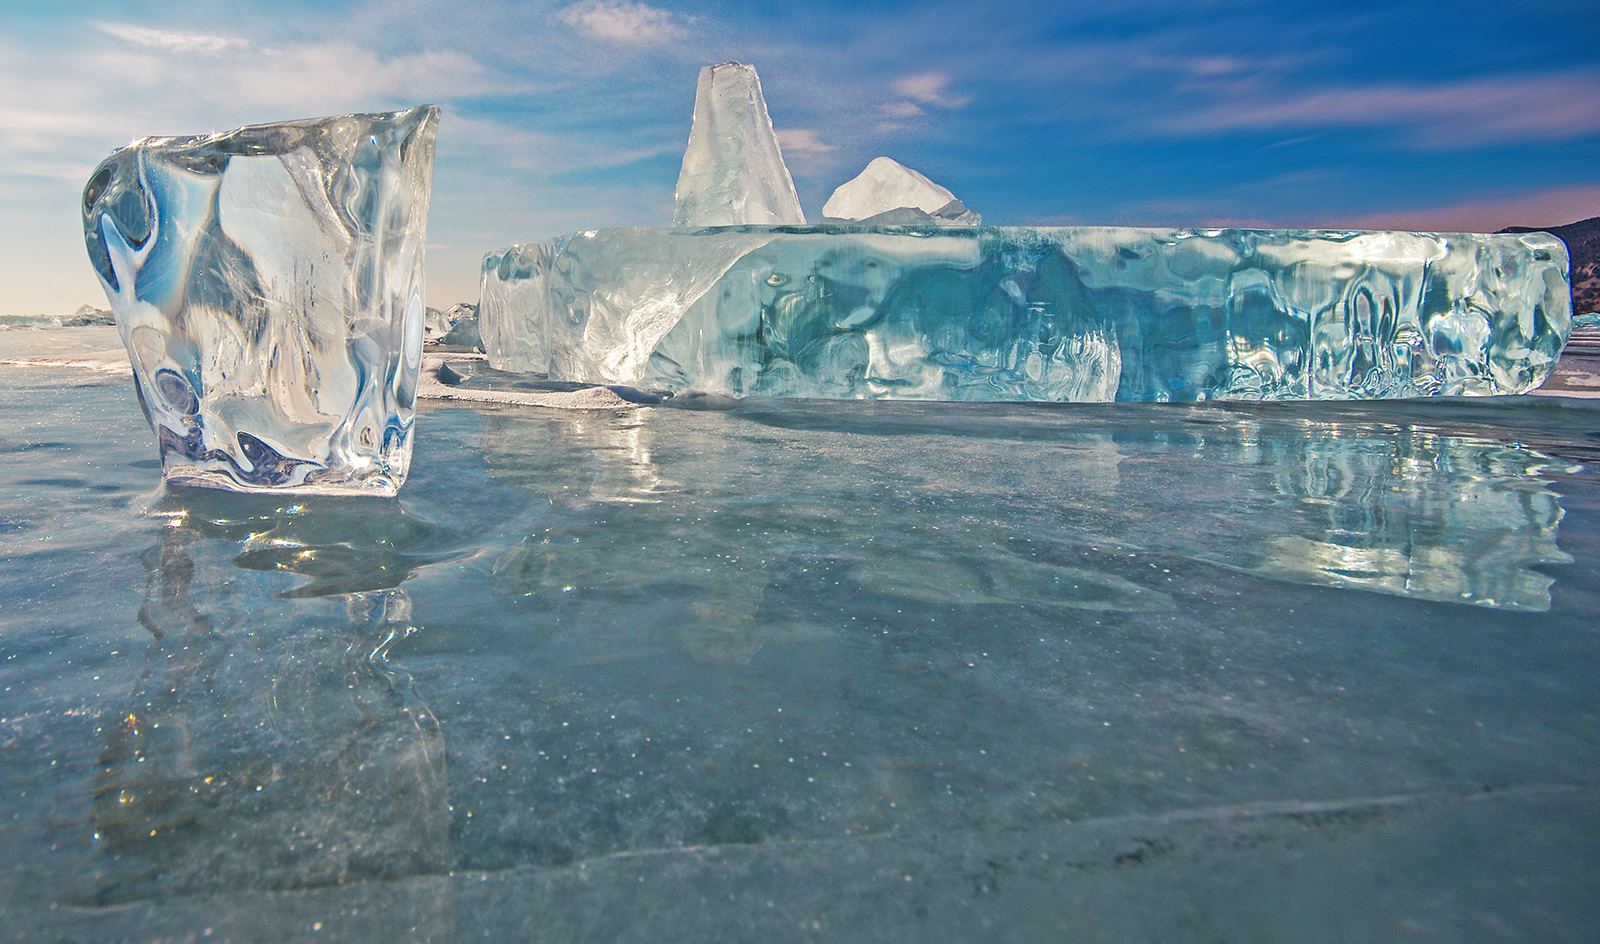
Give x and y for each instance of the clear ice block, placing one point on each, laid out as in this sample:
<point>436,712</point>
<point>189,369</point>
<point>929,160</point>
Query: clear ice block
<point>1069,314</point>
<point>733,171</point>
<point>268,285</point>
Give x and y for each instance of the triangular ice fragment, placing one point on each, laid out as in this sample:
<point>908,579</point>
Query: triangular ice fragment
<point>733,173</point>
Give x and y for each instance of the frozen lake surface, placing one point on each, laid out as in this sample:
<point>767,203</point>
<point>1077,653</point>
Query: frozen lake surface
<point>812,671</point>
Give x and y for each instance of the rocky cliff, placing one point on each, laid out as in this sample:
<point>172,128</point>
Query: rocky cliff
<point>1583,245</point>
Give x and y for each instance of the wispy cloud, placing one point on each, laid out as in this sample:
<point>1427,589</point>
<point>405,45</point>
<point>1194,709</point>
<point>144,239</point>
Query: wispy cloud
<point>149,81</point>
<point>619,21</point>
<point>903,110</point>
<point>1469,113</point>
<point>171,40</point>
<point>801,141</point>
<point>929,88</point>
<point>917,96</point>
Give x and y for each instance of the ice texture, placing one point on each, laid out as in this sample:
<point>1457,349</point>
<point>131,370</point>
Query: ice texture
<point>887,186</point>
<point>268,284</point>
<point>733,172</point>
<point>1069,314</point>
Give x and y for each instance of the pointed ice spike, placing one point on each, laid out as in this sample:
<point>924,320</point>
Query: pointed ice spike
<point>887,185</point>
<point>733,173</point>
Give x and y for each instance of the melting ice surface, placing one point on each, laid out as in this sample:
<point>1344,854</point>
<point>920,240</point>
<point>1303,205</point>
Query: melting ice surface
<point>890,670</point>
<point>268,285</point>
<point>1072,314</point>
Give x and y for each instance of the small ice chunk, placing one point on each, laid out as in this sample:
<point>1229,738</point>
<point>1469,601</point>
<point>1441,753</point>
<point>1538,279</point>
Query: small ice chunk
<point>733,172</point>
<point>889,193</point>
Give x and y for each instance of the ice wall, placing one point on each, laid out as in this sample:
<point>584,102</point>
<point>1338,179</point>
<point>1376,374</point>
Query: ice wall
<point>733,172</point>
<point>1071,314</point>
<point>268,285</point>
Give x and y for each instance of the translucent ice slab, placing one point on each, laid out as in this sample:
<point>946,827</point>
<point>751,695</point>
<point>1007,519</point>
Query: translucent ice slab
<point>267,282</point>
<point>1072,314</point>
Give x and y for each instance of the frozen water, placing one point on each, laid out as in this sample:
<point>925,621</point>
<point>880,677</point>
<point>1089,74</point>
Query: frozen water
<point>733,172</point>
<point>267,282</point>
<point>1072,314</point>
<point>885,186</point>
<point>897,671</point>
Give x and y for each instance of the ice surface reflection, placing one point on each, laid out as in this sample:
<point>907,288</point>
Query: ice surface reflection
<point>1370,504</point>
<point>269,742</point>
<point>635,673</point>
<point>1416,513</point>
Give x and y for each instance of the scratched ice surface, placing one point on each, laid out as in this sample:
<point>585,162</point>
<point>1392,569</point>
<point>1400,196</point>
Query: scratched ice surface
<point>1072,314</point>
<point>268,285</point>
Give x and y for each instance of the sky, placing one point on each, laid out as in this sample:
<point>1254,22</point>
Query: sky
<point>572,115</point>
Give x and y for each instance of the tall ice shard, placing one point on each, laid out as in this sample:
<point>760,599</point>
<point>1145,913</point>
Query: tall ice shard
<point>733,172</point>
<point>1069,314</point>
<point>267,282</point>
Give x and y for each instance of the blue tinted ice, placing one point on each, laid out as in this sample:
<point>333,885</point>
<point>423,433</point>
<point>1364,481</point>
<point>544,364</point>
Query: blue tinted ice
<point>268,284</point>
<point>1071,314</point>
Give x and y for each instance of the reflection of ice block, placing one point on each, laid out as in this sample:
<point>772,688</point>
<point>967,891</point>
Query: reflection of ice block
<point>1478,539</point>
<point>887,186</point>
<point>733,172</point>
<point>268,285</point>
<point>1090,313</point>
<point>270,743</point>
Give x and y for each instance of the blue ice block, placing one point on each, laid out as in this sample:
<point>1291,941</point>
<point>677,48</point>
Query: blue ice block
<point>1061,314</point>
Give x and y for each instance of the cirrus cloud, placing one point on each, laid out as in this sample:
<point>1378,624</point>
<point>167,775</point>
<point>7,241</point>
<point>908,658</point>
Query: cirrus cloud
<point>929,88</point>
<point>620,21</point>
<point>801,141</point>
<point>170,39</point>
<point>1550,107</point>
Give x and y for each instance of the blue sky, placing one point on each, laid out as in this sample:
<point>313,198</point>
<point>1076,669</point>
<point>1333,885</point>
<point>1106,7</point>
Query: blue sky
<point>564,116</point>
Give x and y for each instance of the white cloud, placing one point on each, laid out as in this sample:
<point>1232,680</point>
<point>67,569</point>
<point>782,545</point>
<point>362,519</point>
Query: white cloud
<point>619,21</point>
<point>801,141</point>
<point>929,88</point>
<point>168,39</point>
<point>918,94</point>
<point>71,106</point>
<point>903,110</point>
<point>1472,113</point>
